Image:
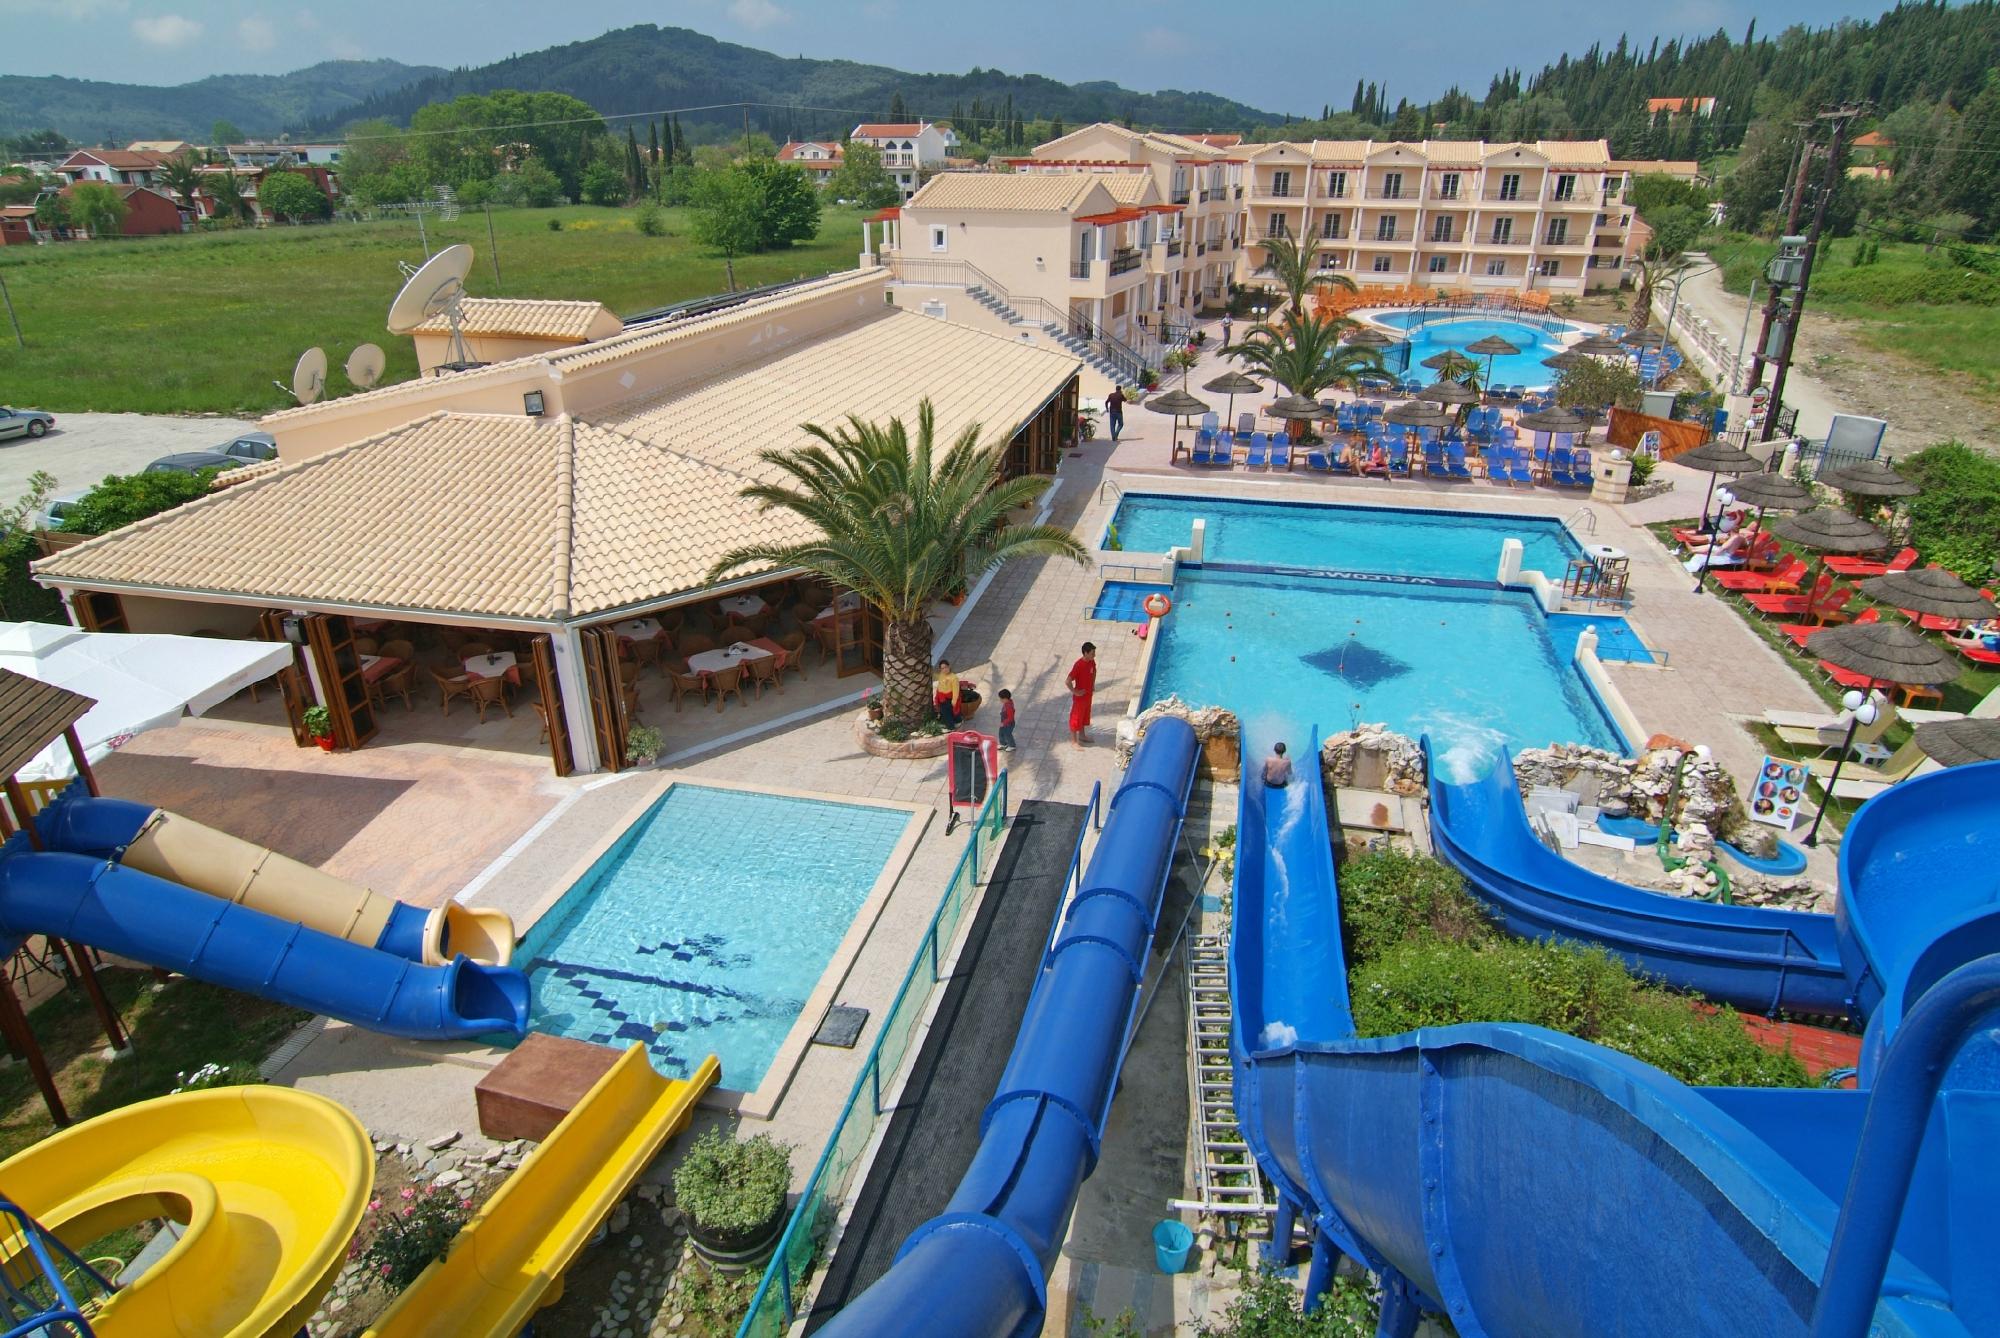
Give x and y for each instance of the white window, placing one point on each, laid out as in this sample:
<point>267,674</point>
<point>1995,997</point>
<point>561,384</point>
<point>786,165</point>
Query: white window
<point>1381,265</point>
<point>1385,230</point>
<point>1503,230</point>
<point>1496,267</point>
<point>1550,269</point>
<point>1277,228</point>
<point>1392,185</point>
<point>1329,227</point>
<point>938,235</point>
<point>1510,186</point>
<point>1437,264</point>
<point>1281,182</point>
<point>1566,186</point>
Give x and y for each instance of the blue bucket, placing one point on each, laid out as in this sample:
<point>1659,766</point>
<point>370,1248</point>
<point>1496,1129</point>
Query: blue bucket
<point>1171,1243</point>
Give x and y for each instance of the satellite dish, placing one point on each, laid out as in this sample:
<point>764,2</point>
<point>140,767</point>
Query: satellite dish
<point>432,289</point>
<point>364,365</point>
<point>309,377</point>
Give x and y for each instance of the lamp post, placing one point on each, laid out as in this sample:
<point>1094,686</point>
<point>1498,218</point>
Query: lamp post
<point>1861,710</point>
<point>1725,499</point>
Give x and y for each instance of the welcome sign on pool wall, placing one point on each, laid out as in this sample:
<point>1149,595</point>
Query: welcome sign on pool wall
<point>1781,784</point>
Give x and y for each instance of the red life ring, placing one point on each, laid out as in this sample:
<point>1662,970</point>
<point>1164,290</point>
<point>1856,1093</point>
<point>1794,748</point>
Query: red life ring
<point>1157,606</point>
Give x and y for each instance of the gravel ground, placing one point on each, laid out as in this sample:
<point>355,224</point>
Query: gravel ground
<point>86,446</point>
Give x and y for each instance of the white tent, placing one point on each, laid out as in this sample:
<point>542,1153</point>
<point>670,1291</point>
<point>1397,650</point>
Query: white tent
<point>139,680</point>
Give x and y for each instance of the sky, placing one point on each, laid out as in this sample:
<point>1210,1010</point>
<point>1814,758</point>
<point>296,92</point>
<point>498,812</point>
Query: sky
<point>1278,55</point>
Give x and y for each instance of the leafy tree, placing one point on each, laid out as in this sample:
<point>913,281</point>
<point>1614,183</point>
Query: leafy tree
<point>1294,263</point>
<point>757,144</point>
<point>726,205</point>
<point>123,498</point>
<point>97,209</point>
<point>1753,191</point>
<point>603,184</point>
<point>181,174</point>
<point>902,525</point>
<point>1594,383</point>
<point>373,146</point>
<point>787,204</point>
<point>650,219</point>
<point>1301,351</point>
<point>294,196</point>
<point>225,131</point>
<point>1652,270</point>
<point>896,112</point>
<point>22,191</point>
<point>52,213</point>
<point>225,190</point>
<point>1655,191</point>
<point>862,179</point>
<point>537,186</point>
<point>1675,230</point>
<point>401,183</point>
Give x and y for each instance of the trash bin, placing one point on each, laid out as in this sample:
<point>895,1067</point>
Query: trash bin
<point>1171,1243</point>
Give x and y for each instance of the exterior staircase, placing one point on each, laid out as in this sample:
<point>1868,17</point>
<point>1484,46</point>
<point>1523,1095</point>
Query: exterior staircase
<point>1094,355</point>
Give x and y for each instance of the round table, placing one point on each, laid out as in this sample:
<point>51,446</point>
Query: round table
<point>1603,553</point>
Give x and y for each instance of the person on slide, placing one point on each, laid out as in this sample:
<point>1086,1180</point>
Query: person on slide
<point>1277,768</point>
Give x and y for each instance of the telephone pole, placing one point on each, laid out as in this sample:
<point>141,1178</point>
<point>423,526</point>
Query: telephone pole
<point>1840,117</point>
<point>1797,195</point>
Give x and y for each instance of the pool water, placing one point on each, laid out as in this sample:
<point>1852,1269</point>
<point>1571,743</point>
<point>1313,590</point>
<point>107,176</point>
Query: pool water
<point>1473,668</point>
<point>705,928</point>
<point>1125,601</point>
<point>1460,544</point>
<point>1428,338</point>
<point>1615,638</point>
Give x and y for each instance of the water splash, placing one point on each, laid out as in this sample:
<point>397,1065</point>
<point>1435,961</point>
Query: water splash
<point>1464,747</point>
<point>1277,1036</point>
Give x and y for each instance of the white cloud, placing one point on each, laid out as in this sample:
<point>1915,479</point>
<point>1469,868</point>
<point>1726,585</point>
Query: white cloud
<point>257,33</point>
<point>166,30</point>
<point>756,13</point>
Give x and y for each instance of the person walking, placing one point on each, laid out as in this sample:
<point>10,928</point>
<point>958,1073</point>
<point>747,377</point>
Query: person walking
<point>1225,332</point>
<point>1006,720</point>
<point>1082,683</point>
<point>1114,412</point>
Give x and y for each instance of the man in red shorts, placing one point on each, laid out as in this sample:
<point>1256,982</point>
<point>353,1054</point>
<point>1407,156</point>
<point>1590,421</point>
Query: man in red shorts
<point>1082,683</point>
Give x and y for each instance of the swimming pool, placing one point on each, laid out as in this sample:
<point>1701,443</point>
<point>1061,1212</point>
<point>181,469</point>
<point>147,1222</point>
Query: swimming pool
<point>1409,541</point>
<point>1475,668</point>
<point>706,926</point>
<point>1432,333</point>
<point>1125,601</point>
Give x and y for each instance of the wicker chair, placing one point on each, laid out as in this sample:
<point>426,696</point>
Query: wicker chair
<point>485,692</point>
<point>794,643</point>
<point>628,672</point>
<point>694,643</point>
<point>402,650</point>
<point>633,710</point>
<point>736,632</point>
<point>828,637</point>
<point>725,681</point>
<point>645,651</point>
<point>449,686</point>
<point>684,682</point>
<point>365,645</point>
<point>468,649</point>
<point>764,669</point>
<point>397,683</point>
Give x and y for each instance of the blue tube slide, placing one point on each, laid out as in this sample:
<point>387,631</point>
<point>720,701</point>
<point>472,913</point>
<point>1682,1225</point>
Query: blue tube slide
<point>981,1268</point>
<point>163,924</point>
<point>1752,957</point>
<point>1518,1181</point>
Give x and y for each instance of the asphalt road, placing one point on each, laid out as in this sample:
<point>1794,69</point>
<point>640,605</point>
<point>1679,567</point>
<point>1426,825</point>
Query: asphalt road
<point>86,446</point>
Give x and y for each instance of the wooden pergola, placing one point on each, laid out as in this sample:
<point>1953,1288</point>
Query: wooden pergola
<point>33,715</point>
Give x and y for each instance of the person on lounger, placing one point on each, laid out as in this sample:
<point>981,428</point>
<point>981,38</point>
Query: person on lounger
<point>1732,551</point>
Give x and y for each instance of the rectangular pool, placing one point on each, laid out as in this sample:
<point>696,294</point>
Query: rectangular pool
<point>1473,668</point>
<point>1409,541</point>
<point>707,925</point>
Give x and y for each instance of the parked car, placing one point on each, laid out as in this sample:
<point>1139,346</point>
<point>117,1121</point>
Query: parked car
<point>24,422</point>
<point>56,509</point>
<point>193,462</point>
<point>250,447</point>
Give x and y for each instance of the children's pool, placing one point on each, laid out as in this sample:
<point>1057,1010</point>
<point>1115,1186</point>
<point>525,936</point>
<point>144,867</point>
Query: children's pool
<point>706,926</point>
<point>1404,540</point>
<point>1432,333</point>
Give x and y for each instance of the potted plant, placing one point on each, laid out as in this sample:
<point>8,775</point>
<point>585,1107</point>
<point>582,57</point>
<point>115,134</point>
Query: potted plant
<point>642,745</point>
<point>319,723</point>
<point>872,704</point>
<point>733,1195</point>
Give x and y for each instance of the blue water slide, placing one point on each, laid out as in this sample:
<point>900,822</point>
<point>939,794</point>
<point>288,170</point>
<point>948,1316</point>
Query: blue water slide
<point>1752,957</point>
<point>981,1268</point>
<point>151,920</point>
<point>1518,1181</point>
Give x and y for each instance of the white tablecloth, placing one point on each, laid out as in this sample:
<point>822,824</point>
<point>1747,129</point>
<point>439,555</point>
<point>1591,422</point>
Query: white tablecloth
<point>743,606</point>
<point>490,666</point>
<point>850,600</point>
<point>728,657</point>
<point>637,629</point>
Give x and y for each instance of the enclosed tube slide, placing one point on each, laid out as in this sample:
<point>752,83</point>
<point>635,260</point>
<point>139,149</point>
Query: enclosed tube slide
<point>180,850</point>
<point>1751,957</point>
<point>1524,1182</point>
<point>121,910</point>
<point>982,1267</point>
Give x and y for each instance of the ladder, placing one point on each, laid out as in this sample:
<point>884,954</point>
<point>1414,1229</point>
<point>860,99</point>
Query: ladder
<point>1226,1177</point>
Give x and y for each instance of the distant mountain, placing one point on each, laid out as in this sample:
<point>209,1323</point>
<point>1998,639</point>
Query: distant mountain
<point>260,104</point>
<point>649,69</point>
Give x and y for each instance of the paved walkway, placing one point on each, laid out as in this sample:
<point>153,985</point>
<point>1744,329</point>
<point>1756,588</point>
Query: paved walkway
<point>87,446</point>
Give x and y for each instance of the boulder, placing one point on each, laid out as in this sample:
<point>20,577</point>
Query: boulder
<point>1215,727</point>
<point>1370,757</point>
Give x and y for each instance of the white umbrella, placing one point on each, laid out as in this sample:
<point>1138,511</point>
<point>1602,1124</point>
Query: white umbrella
<point>140,681</point>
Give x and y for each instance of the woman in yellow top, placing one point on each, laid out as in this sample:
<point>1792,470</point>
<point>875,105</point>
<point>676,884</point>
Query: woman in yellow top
<point>944,694</point>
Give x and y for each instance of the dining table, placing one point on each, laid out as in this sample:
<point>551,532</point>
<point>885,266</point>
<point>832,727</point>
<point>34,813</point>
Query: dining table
<point>494,664</point>
<point>707,662</point>
<point>846,603</point>
<point>636,629</point>
<point>742,606</point>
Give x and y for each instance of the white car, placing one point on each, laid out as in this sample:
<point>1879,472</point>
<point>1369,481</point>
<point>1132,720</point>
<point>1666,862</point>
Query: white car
<point>24,422</point>
<point>53,511</point>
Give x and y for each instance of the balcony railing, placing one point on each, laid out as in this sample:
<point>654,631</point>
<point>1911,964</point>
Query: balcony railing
<point>1391,236</point>
<point>1174,247</point>
<point>1079,269</point>
<point>1201,248</point>
<point>1444,238</point>
<point>1124,262</point>
<point>1516,196</point>
<point>1378,193</point>
<point>1273,193</point>
<point>1335,236</point>
<point>1181,197</point>
<point>1504,241</point>
<point>1454,196</point>
<point>1239,192</point>
<point>1329,193</point>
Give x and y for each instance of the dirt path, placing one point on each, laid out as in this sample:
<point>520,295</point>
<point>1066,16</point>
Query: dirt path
<point>1920,405</point>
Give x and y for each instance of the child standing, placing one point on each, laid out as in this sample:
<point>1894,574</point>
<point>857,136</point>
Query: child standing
<point>1006,721</point>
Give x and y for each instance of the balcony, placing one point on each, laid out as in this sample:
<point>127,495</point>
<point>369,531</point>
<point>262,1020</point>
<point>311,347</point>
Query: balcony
<point>1327,193</point>
<point>1391,236</point>
<point>899,160</point>
<point>1201,248</point>
<point>1504,241</point>
<point>1524,198</point>
<point>1174,247</point>
<point>1575,243</point>
<point>1455,196</point>
<point>1335,236</point>
<point>1273,193</point>
<point>1125,260</point>
<point>1206,196</point>
<point>1239,192</point>
<point>1181,197</point>
<point>1580,198</point>
<point>1079,269</point>
<point>1378,193</point>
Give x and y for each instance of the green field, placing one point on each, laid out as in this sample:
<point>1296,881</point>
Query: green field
<point>1922,307</point>
<point>205,322</point>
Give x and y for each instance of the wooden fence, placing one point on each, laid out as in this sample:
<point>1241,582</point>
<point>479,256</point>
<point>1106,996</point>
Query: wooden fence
<point>1676,436</point>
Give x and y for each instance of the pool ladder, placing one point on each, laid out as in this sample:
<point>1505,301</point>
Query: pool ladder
<point>1583,522</point>
<point>1110,486</point>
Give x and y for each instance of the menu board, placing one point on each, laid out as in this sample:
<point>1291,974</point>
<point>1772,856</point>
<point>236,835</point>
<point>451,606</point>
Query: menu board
<point>1780,786</point>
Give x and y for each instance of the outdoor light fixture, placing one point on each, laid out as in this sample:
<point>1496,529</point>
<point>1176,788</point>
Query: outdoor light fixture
<point>532,402</point>
<point>1861,710</point>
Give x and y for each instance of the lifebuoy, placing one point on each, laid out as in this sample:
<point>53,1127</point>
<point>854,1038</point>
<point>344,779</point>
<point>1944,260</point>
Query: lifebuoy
<point>1157,606</point>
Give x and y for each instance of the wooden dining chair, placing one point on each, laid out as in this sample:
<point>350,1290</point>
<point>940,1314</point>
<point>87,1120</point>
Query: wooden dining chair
<point>633,710</point>
<point>763,671</point>
<point>725,681</point>
<point>402,650</point>
<point>828,637</point>
<point>449,686</point>
<point>684,682</point>
<point>541,714</point>
<point>628,672</point>
<point>485,692</point>
<point>794,643</point>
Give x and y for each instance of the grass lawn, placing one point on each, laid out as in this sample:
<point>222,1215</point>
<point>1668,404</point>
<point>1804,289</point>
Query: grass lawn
<point>1919,306</point>
<point>175,1029</point>
<point>205,322</point>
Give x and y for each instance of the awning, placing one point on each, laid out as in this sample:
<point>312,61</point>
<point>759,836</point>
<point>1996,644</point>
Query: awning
<point>140,681</point>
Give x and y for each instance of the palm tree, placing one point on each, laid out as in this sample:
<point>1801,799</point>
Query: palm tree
<point>902,526</point>
<point>1652,271</point>
<point>1294,264</point>
<point>1302,352</point>
<point>226,190</point>
<point>180,175</point>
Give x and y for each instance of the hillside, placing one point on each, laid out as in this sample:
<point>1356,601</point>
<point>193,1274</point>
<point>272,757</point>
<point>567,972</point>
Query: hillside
<point>650,69</point>
<point>91,111</point>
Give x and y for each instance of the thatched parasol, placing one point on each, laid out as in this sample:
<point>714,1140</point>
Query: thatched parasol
<point>1564,360</point>
<point>1880,653</point>
<point>1770,491</point>
<point>1181,405</point>
<point>1717,457</point>
<point>1449,361</point>
<point>1297,408</point>
<point>1558,419</point>
<point>1646,338</point>
<point>1449,392</point>
<point>1489,348</point>
<point>1958,742</point>
<point>1931,590</point>
<point>1367,336</point>
<point>1871,478</point>
<point>1598,346</point>
<point>1416,413</point>
<point>1233,384</point>
<point>1828,529</point>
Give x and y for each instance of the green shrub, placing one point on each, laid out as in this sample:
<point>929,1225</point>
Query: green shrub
<point>730,1187</point>
<point>1269,1306</point>
<point>1955,520</point>
<point>21,599</point>
<point>650,219</point>
<point>1642,469</point>
<point>1389,897</point>
<point>409,1233</point>
<point>123,498</point>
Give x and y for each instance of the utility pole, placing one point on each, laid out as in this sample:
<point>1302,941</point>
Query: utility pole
<point>8,298</point>
<point>492,248</point>
<point>1840,117</point>
<point>1792,208</point>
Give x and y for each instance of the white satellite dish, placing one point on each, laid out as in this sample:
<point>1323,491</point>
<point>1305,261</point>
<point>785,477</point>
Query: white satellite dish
<point>435,288</point>
<point>364,365</point>
<point>309,376</point>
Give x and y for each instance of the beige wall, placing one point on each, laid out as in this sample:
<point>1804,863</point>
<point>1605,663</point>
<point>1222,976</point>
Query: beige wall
<point>433,349</point>
<point>180,617</point>
<point>1027,253</point>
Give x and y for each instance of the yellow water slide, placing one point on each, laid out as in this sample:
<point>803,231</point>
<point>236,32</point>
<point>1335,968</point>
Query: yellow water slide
<point>184,851</point>
<point>270,1184</point>
<point>509,1260</point>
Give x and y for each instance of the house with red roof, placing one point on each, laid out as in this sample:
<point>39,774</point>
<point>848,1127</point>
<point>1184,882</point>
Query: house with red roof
<point>116,167</point>
<point>1680,106</point>
<point>821,158</point>
<point>909,149</point>
<point>149,210</point>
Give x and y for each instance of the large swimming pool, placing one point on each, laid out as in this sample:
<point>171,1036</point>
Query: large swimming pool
<point>705,928</point>
<point>1403,540</point>
<point>1432,333</point>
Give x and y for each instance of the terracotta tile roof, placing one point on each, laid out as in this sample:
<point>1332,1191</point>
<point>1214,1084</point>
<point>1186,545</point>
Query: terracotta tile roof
<point>1129,187</point>
<point>1574,152</point>
<point>125,160</point>
<point>887,129</point>
<point>1059,192</point>
<point>17,211</point>
<point>1218,141</point>
<point>1668,166</point>
<point>1349,151</point>
<point>790,151</point>
<point>1185,144</point>
<point>526,317</point>
<point>1453,152</point>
